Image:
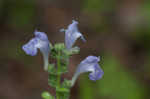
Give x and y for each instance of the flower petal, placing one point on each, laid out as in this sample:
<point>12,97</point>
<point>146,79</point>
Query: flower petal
<point>72,34</point>
<point>90,64</point>
<point>39,41</point>
<point>97,73</point>
<point>30,48</point>
<point>40,35</point>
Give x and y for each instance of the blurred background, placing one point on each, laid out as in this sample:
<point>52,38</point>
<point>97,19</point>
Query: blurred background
<point>116,30</point>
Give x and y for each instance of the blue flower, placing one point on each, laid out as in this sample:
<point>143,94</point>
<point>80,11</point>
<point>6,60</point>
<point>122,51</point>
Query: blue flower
<point>90,64</point>
<point>39,41</point>
<point>72,34</point>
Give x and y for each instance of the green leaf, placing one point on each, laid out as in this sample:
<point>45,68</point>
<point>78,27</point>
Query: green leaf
<point>52,70</point>
<point>59,46</point>
<point>52,80</point>
<point>58,51</point>
<point>62,90</point>
<point>72,51</point>
<point>64,66</point>
<point>64,95</point>
<point>66,83</point>
<point>53,53</point>
<point>47,95</point>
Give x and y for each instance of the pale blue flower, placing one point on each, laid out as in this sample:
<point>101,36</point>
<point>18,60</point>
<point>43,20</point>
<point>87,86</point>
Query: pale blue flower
<point>40,41</point>
<point>72,34</point>
<point>89,64</point>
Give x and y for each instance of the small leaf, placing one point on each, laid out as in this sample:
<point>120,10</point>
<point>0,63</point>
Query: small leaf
<point>52,80</point>
<point>63,69</point>
<point>64,66</point>
<point>52,70</point>
<point>62,90</point>
<point>64,95</point>
<point>66,83</point>
<point>59,46</point>
<point>72,51</point>
<point>47,95</point>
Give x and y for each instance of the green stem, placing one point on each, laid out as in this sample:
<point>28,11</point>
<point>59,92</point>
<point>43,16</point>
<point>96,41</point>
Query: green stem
<point>58,75</point>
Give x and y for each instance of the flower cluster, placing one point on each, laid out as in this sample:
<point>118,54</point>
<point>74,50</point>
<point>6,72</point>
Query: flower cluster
<point>41,42</point>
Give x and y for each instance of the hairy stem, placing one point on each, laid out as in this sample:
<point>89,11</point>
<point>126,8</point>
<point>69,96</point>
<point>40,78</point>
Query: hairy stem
<point>58,76</point>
